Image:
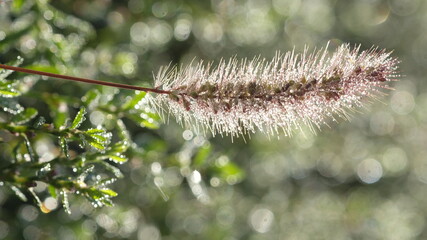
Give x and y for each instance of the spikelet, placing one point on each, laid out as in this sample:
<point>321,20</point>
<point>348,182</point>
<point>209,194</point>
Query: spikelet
<point>240,97</point>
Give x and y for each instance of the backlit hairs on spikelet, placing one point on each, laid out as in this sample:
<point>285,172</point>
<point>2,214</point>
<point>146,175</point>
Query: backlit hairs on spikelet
<point>239,97</point>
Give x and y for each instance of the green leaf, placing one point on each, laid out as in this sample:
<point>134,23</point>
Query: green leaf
<point>10,105</point>
<point>30,150</point>
<point>109,192</point>
<point>9,92</point>
<point>58,107</point>
<point>97,138</point>
<point>144,119</point>
<point>16,152</point>
<point>65,202</point>
<point>85,171</point>
<point>119,147</point>
<point>91,98</point>
<point>96,145</point>
<point>98,197</point>
<point>114,170</point>
<point>60,119</point>
<point>18,193</point>
<point>123,133</point>
<point>17,5</point>
<point>118,158</point>
<point>80,117</point>
<point>64,146</point>
<point>96,141</point>
<point>202,155</point>
<point>113,153</point>
<point>131,103</point>
<point>102,183</point>
<point>95,131</point>
<point>107,202</point>
<point>149,124</point>
<point>52,191</point>
<point>4,73</point>
<point>230,170</point>
<point>23,117</point>
<point>44,68</point>
<point>7,89</point>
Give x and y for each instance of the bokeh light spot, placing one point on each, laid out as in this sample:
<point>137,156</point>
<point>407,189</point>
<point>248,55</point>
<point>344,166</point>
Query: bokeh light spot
<point>369,171</point>
<point>395,160</point>
<point>149,232</point>
<point>187,135</point>
<point>261,219</point>
<point>402,102</point>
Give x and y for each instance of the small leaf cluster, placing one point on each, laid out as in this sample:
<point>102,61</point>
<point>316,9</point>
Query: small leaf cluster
<point>63,174</point>
<point>9,90</point>
<point>87,158</point>
<point>65,140</point>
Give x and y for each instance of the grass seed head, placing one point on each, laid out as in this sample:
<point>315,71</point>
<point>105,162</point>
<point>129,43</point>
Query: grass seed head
<point>239,97</point>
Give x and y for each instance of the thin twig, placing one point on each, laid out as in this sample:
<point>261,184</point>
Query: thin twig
<point>85,80</point>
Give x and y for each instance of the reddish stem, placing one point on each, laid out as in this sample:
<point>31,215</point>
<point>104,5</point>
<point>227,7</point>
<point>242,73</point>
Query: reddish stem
<point>86,80</point>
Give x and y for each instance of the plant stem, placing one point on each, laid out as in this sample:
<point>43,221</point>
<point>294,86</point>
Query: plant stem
<point>85,80</point>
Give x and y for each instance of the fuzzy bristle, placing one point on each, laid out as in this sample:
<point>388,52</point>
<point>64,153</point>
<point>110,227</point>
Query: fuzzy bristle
<point>239,97</point>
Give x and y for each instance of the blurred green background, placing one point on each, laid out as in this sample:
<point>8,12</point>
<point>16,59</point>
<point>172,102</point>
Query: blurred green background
<point>364,179</point>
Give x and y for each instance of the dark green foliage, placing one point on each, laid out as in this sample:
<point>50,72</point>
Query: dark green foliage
<point>79,174</point>
<point>90,164</point>
<point>85,157</point>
